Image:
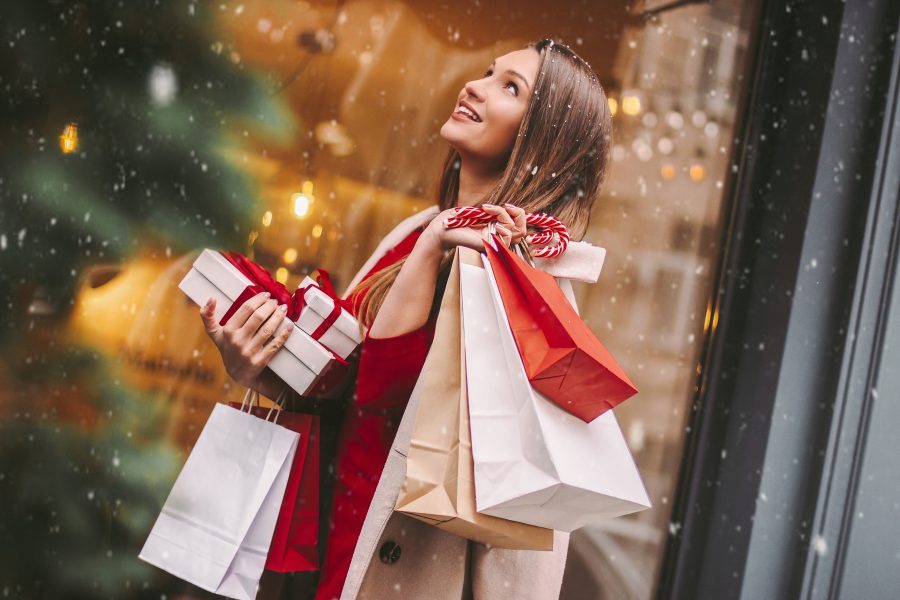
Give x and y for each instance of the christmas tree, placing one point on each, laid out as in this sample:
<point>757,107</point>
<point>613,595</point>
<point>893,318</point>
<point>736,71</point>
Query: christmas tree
<point>118,122</point>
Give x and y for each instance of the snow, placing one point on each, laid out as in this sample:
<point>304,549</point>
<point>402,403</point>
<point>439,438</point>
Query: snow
<point>162,84</point>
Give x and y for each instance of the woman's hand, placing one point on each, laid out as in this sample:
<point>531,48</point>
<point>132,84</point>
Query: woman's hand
<point>250,339</point>
<point>509,225</point>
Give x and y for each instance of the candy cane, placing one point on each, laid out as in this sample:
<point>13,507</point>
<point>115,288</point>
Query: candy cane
<point>469,216</point>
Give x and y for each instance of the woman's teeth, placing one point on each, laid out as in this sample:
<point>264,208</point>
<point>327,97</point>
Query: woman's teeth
<point>468,113</point>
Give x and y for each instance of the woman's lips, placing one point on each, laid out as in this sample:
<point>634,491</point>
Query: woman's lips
<point>460,117</point>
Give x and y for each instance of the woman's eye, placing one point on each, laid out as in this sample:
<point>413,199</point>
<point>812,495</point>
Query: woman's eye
<point>510,83</point>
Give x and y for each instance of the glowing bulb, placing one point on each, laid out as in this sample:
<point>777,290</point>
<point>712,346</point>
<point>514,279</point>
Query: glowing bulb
<point>301,204</point>
<point>68,141</point>
<point>668,172</point>
<point>631,105</point>
<point>302,200</point>
<point>697,172</point>
<point>289,256</point>
<point>317,231</point>
<point>613,106</point>
<point>281,275</point>
<point>267,218</point>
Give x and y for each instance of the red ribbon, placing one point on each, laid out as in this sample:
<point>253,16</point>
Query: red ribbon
<point>262,281</point>
<point>323,284</point>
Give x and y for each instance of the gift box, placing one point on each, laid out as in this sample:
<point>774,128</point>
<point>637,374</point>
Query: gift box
<point>307,366</point>
<point>325,319</point>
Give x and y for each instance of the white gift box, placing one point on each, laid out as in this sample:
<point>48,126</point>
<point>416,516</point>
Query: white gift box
<point>343,336</point>
<point>303,363</point>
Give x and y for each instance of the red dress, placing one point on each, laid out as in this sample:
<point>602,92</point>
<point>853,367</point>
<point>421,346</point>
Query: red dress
<point>388,370</point>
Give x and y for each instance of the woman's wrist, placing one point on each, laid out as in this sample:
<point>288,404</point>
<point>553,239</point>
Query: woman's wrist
<point>428,247</point>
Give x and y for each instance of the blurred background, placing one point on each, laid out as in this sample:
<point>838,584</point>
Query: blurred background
<point>133,135</point>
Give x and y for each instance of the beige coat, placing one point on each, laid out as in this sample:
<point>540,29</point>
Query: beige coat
<point>399,557</point>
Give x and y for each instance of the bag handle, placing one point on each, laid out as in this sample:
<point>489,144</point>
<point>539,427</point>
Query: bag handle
<point>521,248</point>
<point>252,396</point>
<point>279,402</point>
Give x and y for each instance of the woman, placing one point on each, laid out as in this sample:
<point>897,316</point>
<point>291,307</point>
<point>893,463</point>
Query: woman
<point>532,134</point>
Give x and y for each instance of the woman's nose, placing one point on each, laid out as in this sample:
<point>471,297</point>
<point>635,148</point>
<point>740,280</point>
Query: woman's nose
<point>473,88</point>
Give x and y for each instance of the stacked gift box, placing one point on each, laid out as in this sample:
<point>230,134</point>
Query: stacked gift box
<point>313,360</point>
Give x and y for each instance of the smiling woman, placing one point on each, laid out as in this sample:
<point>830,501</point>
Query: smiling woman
<point>496,135</point>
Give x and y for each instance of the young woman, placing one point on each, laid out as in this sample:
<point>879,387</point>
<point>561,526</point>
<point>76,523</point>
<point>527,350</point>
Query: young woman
<point>533,134</point>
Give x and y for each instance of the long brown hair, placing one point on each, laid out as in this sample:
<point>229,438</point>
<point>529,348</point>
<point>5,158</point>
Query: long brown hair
<point>556,165</point>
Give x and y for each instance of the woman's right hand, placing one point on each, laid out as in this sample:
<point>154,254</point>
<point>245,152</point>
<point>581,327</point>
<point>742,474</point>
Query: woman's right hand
<point>251,337</point>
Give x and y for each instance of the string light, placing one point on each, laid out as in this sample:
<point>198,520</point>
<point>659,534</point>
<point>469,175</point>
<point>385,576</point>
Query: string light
<point>302,200</point>
<point>631,105</point>
<point>68,141</point>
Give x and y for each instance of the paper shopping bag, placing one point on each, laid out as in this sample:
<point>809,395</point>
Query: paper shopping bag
<point>294,544</point>
<point>563,359</point>
<point>216,526</point>
<point>438,488</point>
<point>533,461</point>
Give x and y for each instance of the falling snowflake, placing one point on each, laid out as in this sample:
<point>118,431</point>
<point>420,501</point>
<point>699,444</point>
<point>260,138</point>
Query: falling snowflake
<point>162,84</point>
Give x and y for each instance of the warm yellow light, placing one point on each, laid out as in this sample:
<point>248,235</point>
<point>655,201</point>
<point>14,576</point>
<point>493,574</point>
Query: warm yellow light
<point>613,106</point>
<point>301,204</point>
<point>631,105</point>
<point>267,218</point>
<point>303,200</point>
<point>317,231</point>
<point>289,256</point>
<point>281,275</point>
<point>68,141</point>
<point>697,172</point>
<point>668,172</point>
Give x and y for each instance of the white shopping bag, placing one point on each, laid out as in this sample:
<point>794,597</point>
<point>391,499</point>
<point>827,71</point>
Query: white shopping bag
<point>217,523</point>
<point>534,462</point>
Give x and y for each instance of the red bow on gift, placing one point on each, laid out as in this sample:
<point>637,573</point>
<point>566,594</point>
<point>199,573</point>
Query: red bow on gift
<point>264,282</point>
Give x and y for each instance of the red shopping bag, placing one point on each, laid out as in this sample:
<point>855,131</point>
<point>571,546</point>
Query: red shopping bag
<point>295,541</point>
<point>563,359</point>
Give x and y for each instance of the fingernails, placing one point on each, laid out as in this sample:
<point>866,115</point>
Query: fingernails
<point>282,308</point>
<point>489,205</point>
<point>268,295</point>
<point>208,302</point>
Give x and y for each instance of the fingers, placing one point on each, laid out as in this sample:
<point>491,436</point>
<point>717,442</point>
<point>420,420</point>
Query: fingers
<point>207,315</point>
<point>240,317</point>
<point>269,328</point>
<point>511,218</point>
<point>505,235</point>
<point>503,217</point>
<point>519,217</point>
<point>276,343</point>
<point>259,316</point>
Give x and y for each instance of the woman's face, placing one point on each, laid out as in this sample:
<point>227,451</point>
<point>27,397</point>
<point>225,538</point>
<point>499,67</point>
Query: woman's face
<point>499,100</point>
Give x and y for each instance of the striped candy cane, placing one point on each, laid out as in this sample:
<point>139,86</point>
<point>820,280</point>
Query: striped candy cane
<point>548,227</point>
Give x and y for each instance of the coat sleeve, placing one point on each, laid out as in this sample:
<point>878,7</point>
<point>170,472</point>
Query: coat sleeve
<point>389,367</point>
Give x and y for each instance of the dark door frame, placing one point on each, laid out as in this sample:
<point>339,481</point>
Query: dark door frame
<point>809,241</point>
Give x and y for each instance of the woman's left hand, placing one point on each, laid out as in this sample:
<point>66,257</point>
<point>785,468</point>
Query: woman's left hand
<point>511,225</point>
